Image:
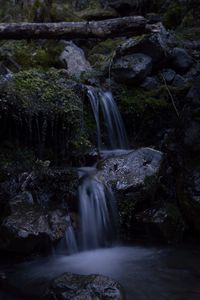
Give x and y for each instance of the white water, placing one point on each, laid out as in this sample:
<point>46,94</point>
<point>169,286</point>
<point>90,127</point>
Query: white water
<point>97,214</point>
<point>103,102</point>
<point>145,273</point>
<point>69,241</point>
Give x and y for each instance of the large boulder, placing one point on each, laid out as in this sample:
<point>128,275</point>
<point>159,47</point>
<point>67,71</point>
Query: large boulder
<point>154,45</point>
<point>76,287</point>
<point>130,171</point>
<point>73,59</point>
<point>132,68</point>
<point>134,179</point>
<point>34,210</point>
<point>28,229</point>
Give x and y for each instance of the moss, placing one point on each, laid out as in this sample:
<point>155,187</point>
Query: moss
<point>14,160</point>
<point>138,101</point>
<point>44,109</point>
<point>101,54</point>
<point>32,54</point>
<point>36,91</point>
<point>191,18</point>
<point>173,15</point>
<point>191,33</point>
<point>106,47</point>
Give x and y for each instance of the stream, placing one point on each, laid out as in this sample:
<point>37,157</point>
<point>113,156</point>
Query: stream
<point>145,272</point>
<point>153,273</point>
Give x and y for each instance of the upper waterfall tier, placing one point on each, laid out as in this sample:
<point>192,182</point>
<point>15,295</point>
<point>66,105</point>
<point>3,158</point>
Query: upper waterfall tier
<point>103,104</point>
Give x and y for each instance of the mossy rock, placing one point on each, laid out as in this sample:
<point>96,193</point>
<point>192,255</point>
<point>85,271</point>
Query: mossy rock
<point>23,55</point>
<point>101,55</point>
<point>44,111</point>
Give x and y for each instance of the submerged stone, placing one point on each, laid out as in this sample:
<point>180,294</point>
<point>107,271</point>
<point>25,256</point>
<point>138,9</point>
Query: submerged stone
<point>79,287</point>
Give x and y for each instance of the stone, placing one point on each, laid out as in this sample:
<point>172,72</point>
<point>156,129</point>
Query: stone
<point>79,287</point>
<point>163,223</point>
<point>181,60</point>
<point>132,68</point>
<point>179,81</point>
<point>130,171</point>
<point>27,230</point>
<point>153,45</point>
<point>168,75</point>
<point>150,83</point>
<point>73,59</point>
<point>34,210</point>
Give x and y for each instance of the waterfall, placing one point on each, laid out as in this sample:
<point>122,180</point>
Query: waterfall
<point>69,241</point>
<point>97,213</point>
<point>104,102</point>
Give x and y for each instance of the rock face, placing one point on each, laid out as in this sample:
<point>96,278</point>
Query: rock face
<point>134,179</point>
<point>29,230</point>
<point>70,287</point>
<point>34,210</point>
<point>132,68</point>
<point>73,59</point>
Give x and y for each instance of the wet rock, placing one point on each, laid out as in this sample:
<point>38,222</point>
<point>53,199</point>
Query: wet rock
<point>133,178</point>
<point>34,210</point>
<point>28,229</point>
<point>181,60</point>
<point>131,171</point>
<point>150,83</point>
<point>73,59</point>
<point>168,75</point>
<point>72,286</point>
<point>179,81</point>
<point>132,68</point>
<point>164,223</point>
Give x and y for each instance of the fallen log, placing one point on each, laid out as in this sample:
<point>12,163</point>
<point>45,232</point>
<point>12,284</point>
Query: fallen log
<point>74,30</point>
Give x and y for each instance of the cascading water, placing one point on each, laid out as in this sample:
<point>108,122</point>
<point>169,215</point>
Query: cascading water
<point>69,240</point>
<point>116,133</point>
<point>97,203</point>
<point>97,211</point>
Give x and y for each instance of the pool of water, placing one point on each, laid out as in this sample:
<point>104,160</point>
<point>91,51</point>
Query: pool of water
<point>145,272</point>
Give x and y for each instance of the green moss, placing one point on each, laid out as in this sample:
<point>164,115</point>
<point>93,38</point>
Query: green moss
<point>106,47</point>
<point>44,105</point>
<point>190,33</point>
<point>36,92</point>
<point>138,101</point>
<point>191,18</point>
<point>173,15</point>
<point>14,160</point>
<point>101,55</point>
<point>32,54</point>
